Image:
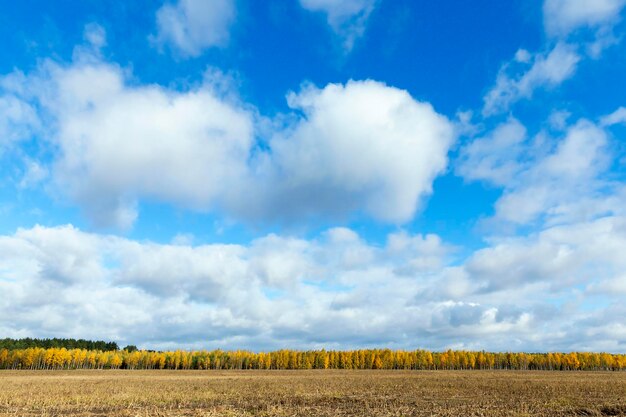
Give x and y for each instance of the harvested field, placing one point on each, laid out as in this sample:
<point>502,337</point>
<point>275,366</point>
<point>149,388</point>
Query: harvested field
<point>311,393</point>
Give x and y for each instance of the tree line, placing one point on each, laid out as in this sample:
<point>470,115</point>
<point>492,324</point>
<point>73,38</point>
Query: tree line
<point>13,344</point>
<point>63,358</point>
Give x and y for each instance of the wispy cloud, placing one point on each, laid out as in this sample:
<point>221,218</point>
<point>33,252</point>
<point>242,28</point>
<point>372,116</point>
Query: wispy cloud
<point>348,19</point>
<point>521,78</point>
<point>191,26</point>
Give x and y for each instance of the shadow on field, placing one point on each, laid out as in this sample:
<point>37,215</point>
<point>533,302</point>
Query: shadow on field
<point>607,410</point>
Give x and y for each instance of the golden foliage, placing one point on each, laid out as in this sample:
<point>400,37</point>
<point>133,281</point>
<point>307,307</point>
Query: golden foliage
<point>61,358</point>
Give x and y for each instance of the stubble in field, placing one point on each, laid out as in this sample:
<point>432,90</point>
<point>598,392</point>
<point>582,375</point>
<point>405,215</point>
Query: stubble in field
<point>311,393</point>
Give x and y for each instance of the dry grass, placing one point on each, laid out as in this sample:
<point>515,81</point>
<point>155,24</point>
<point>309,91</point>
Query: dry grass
<point>311,393</point>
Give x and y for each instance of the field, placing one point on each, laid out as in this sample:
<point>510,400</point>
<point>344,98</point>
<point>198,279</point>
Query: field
<point>311,393</point>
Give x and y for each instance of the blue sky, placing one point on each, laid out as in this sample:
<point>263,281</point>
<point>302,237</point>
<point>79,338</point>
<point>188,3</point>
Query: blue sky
<point>314,173</point>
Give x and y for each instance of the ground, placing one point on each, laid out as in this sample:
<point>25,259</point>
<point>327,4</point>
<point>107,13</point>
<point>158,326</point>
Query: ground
<point>311,393</point>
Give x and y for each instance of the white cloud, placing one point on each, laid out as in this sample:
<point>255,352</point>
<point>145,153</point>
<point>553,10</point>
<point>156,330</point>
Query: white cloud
<point>550,180</point>
<point>117,143</point>
<point>337,290</point>
<point>18,119</point>
<point>562,17</point>
<point>523,56</point>
<point>34,174</point>
<point>615,285</point>
<point>267,292</point>
<point>95,35</point>
<point>347,18</point>
<point>493,158</point>
<point>562,257</point>
<point>563,185</point>
<point>191,26</point>
<point>588,22</point>
<point>547,70</point>
<point>527,72</point>
<point>617,117</point>
<point>360,147</point>
<point>558,119</point>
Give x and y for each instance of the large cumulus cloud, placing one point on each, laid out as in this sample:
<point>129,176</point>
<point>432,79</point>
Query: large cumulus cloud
<point>359,146</point>
<point>362,146</point>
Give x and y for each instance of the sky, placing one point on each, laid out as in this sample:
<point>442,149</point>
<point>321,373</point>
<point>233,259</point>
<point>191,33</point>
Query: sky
<point>310,174</point>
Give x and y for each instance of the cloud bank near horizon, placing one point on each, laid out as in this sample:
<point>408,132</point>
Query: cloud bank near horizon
<point>336,290</point>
